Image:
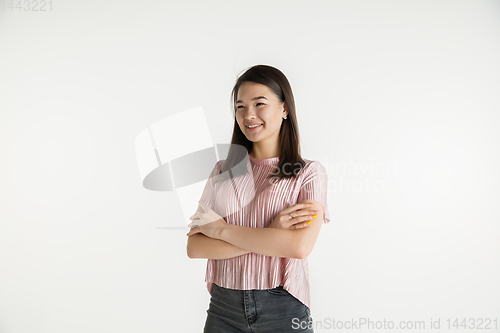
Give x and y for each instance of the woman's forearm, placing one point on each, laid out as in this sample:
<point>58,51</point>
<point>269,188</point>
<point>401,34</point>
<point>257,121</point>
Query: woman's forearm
<point>201,246</point>
<point>272,242</point>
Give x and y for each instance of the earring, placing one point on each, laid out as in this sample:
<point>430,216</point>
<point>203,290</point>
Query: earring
<point>284,117</point>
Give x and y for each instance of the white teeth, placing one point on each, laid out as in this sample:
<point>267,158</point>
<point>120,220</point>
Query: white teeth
<point>253,126</point>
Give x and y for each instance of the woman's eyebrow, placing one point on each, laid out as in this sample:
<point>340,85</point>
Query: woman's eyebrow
<point>253,99</point>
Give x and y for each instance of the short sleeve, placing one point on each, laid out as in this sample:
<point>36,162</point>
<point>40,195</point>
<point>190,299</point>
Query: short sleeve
<point>314,187</point>
<point>208,195</point>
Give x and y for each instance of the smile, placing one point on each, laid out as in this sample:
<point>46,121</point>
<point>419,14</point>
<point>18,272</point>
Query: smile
<point>254,127</point>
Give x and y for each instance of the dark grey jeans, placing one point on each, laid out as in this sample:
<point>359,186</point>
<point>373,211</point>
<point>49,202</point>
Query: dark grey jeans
<point>256,311</point>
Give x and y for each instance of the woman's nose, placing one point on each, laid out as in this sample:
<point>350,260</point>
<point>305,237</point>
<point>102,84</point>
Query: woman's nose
<point>249,113</point>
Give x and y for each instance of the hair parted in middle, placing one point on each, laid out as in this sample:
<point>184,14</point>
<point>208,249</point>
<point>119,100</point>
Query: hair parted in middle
<point>289,138</point>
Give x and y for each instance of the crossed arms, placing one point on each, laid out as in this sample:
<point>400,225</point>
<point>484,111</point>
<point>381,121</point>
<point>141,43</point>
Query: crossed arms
<point>238,240</point>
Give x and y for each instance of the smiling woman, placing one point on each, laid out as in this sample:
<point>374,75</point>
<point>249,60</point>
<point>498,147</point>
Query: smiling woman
<point>257,254</point>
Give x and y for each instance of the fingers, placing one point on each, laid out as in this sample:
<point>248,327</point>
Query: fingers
<point>297,207</point>
<point>301,225</point>
<point>305,212</point>
<point>309,212</point>
<point>304,219</point>
<point>204,206</point>
<point>193,231</point>
<point>193,218</point>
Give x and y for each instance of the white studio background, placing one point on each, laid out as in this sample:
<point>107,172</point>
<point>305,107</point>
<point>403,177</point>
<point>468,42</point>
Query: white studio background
<point>397,99</point>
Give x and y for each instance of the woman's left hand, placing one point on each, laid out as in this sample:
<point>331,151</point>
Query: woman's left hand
<point>206,221</point>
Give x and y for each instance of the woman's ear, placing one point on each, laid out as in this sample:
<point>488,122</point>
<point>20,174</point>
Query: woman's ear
<point>285,107</point>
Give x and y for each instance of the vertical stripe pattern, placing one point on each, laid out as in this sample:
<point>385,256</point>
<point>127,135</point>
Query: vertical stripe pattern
<point>253,201</point>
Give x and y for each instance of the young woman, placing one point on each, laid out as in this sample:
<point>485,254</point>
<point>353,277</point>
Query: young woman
<point>257,270</point>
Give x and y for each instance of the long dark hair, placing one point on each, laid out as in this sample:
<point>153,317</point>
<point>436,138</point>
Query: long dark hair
<point>290,160</point>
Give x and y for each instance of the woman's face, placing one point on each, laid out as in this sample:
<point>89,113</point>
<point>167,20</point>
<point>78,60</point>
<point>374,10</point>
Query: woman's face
<point>257,104</point>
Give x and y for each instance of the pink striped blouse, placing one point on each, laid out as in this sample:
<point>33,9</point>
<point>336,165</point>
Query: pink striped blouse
<point>262,201</point>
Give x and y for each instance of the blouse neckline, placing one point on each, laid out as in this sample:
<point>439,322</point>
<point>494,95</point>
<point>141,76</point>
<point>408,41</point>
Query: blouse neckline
<point>266,161</point>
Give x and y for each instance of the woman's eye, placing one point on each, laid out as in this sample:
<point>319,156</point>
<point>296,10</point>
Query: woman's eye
<point>240,106</point>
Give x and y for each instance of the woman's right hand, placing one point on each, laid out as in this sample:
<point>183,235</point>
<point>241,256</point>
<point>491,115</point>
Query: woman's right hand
<point>301,212</point>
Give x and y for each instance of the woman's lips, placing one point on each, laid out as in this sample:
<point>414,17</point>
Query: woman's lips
<point>254,129</point>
